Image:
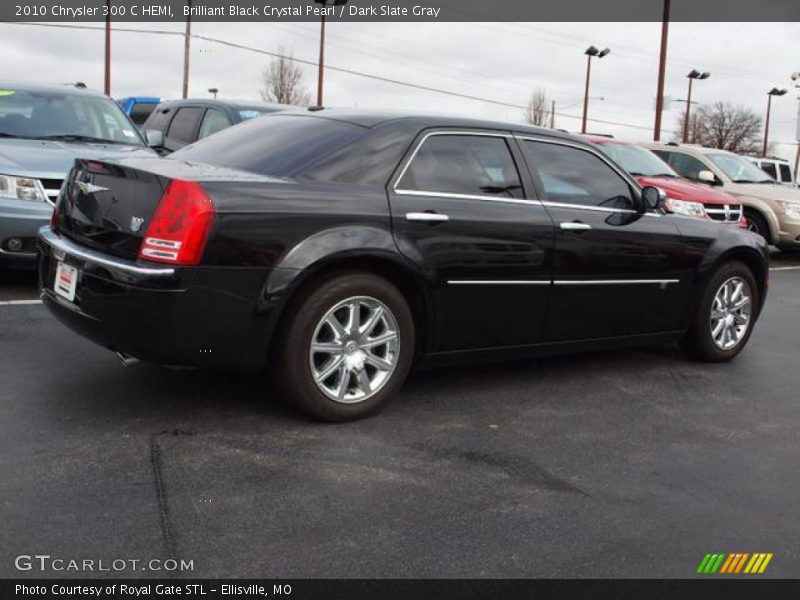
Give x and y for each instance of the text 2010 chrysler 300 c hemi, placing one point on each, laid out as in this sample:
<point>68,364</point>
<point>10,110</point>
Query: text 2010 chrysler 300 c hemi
<point>338,248</point>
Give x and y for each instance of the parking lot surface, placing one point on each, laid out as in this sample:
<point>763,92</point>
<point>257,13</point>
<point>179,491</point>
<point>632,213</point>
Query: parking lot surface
<point>629,464</point>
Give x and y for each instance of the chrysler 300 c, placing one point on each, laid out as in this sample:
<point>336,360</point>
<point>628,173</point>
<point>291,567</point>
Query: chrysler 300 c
<point>339,248</point>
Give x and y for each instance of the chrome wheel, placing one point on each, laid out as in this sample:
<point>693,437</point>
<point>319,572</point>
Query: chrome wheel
<point>730,313</point>
<point>354,349</point>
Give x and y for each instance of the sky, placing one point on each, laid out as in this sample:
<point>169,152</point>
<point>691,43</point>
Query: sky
<point>502,62</point>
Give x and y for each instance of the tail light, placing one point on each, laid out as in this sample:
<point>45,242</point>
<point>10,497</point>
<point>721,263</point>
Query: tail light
<point>54,220</point>
<point>179,227</point>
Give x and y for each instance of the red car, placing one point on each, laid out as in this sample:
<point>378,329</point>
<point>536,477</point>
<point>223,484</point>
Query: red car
<point>683,196</point>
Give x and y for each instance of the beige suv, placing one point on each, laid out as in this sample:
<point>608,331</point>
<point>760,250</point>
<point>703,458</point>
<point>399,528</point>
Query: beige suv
<point>772,210</point>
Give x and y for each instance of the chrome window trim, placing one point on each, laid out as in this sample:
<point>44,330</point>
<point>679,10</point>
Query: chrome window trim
<point>468,197</point>
<point>470,132</point>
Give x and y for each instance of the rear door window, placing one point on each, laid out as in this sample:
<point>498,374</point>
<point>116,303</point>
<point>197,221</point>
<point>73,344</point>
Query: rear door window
<point>466,165</point>
<point>184,124</point>
<point>685,165</point>
<point>769,169</point>
<point>786,174</point>
<point>214,120</point>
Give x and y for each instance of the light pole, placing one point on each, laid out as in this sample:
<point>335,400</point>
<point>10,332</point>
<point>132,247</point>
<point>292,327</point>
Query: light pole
<point>773,92</point>
<point>213,91</point>
<point>107,78</point>
<point>187,37</point>
<point>795,78</point>
<point>662,71</point>
<point>325,4</point>
<point>590,52</point>
<point>693,74</point>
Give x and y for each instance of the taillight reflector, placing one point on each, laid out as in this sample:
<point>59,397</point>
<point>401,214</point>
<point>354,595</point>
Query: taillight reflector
<point>179,227</point>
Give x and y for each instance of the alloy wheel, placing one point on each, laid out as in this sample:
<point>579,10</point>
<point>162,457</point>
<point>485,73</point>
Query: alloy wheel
<point>730,313</point>
<point>354,349</point>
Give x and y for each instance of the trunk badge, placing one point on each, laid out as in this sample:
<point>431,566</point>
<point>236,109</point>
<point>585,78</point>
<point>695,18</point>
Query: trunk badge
<point>89,188</point>
<point>136,223</point>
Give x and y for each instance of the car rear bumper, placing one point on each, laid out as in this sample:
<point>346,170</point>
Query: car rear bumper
<point>20,221</point>
<point>198,316</point>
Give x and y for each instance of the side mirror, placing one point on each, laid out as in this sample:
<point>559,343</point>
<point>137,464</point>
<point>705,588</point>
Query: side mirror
<point>155,139</point>
<point>653,198</point>
<point>707,177</point>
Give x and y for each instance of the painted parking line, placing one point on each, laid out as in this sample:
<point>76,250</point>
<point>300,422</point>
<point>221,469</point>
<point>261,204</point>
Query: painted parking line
<point>796,268</point>
<point>18,302</point>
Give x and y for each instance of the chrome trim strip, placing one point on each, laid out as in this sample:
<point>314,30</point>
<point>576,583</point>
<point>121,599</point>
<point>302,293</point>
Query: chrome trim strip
<point>592,208</point>
<point>467,197</point>
<point>62,247</point>
<point>498,282</point>
<point>615,281</point>
<point>567,226</point>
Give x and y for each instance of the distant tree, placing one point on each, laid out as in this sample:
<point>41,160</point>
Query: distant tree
<point>538,110</point>
<point>724,125</point>
<point>282,81</point>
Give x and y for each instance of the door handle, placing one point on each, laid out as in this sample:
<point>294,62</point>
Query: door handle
<point>430,217</point>
<point>575,226</point>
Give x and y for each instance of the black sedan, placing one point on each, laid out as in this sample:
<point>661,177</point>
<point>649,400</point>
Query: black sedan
<point>339,248</point>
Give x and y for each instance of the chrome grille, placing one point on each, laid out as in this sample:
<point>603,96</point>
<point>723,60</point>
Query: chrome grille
<point>729,213</point>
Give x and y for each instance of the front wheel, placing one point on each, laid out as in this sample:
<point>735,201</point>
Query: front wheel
<point>348,348</point>
<point>725,314</point>
<point>757,223</point>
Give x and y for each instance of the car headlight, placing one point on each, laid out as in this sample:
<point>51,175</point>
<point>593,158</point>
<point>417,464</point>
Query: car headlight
<point>792,210</point>
<point>21,188</point>
<point>685,207</point>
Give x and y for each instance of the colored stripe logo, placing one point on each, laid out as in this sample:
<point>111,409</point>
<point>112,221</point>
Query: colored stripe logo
<point>734,563</point>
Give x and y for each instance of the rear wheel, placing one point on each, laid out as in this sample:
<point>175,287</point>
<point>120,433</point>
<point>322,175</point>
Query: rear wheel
<point>725,314</point>
<point>757,224</point>
<point>348,348</point>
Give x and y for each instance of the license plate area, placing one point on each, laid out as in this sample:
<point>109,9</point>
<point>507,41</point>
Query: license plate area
<point>66,281</point>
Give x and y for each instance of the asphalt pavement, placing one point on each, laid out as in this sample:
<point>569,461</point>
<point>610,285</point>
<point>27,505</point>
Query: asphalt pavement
<point>614,464</point>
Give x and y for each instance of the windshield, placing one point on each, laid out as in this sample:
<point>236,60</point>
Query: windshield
<point>738,169</point>
<point>637,161</point>
<point>68,116</point>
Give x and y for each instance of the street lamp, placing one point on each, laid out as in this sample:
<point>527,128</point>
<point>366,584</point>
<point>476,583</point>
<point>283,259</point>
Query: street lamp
<point>773,92</point>
<point>214,91</point>
<point>796,78</point>
<point>324,3</point>
<point>590,52</point>
<point>693,74</point>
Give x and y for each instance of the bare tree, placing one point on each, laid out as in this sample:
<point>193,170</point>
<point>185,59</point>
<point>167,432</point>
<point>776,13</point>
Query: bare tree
<point>538,111</point>
<point>282,81</point>
<point>726,126</point>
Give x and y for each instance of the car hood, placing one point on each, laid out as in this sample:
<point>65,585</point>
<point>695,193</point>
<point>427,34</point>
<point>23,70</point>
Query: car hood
<point>46,159</point>
<point>683,189</point>
<point>765,191</point>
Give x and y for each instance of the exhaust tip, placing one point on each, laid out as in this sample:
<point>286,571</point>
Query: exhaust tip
<point>126,360</point>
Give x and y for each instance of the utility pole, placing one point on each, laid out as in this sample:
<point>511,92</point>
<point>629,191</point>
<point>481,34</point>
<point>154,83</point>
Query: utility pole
<point>107,78</point>
<point>553,115</point>
<point>321,66</point>
<point>186,50</point>
<point>662,67</point>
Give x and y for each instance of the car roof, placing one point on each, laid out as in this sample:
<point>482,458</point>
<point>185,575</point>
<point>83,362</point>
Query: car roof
<point>68,89</point>
<point>374,118</point>
<point>696,148</point>
<point>142,99</point>
<point>237,104</point>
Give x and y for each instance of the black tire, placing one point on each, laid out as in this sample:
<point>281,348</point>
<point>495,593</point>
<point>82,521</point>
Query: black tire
<point>699,343</point>
<point>757,223</point>
<point>294,369</point>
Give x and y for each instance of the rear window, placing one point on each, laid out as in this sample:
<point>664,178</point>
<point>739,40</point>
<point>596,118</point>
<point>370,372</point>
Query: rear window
<point>277,145</point>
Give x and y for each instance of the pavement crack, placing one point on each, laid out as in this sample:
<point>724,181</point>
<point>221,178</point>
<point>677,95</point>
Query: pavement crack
<point>162,500</point>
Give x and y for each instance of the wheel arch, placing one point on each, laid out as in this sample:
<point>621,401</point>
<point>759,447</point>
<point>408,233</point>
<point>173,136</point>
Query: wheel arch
<point>766,212</point>
<point>752,259</point>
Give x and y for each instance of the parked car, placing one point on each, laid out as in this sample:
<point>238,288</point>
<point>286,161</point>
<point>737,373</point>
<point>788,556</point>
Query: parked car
<point>682,196</point>
<point>777,168</point>
<point>339,247</point>
<point>772,210</point>
<point>182,122</point>
<point>42,131</point>
<point>138,108</point>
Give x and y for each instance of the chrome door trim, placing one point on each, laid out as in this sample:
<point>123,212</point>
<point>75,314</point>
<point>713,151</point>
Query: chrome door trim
<point>662,282</point>
<point>499,282</point>
<point>467,197</point>
<point>572,226</point>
